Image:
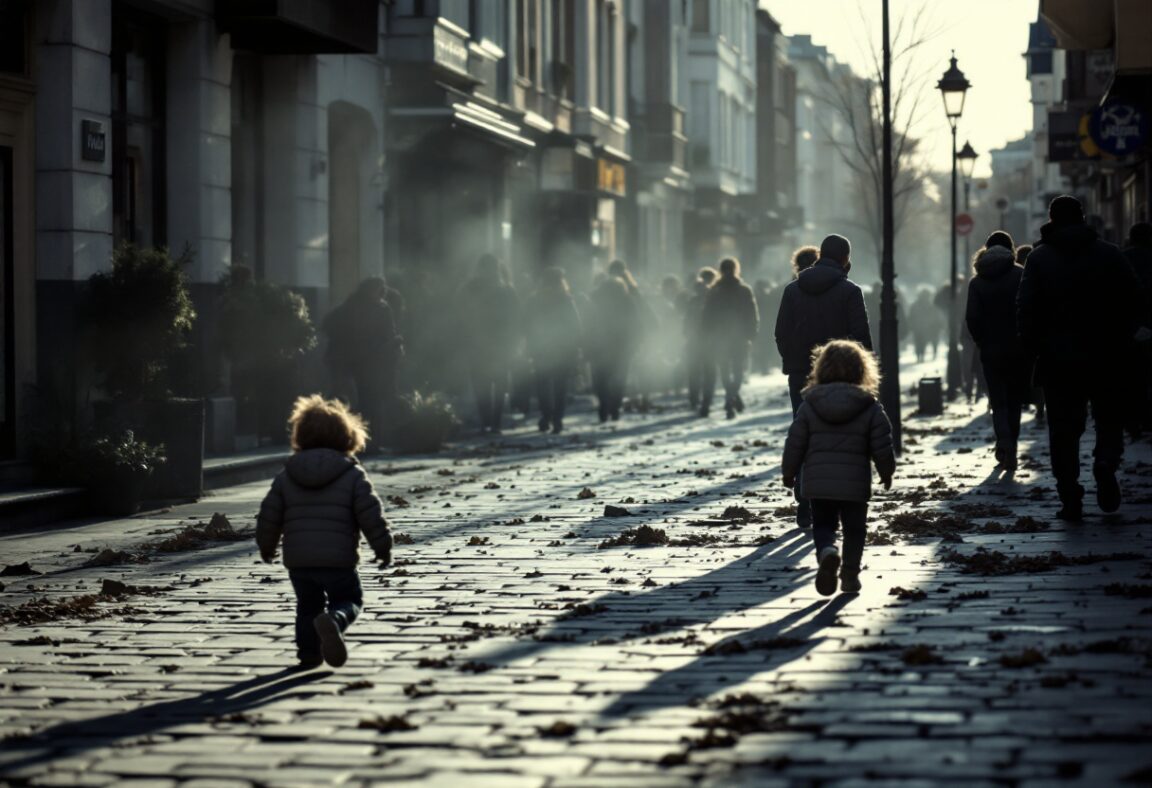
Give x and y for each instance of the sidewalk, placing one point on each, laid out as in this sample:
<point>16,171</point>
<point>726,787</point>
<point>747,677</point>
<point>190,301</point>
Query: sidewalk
<point>515,643</point>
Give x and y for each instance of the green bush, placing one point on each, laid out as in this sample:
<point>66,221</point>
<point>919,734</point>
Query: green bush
<point>122,451</point>
<point>139,314</point>
<point>423,423</point>
<point>262,324</point>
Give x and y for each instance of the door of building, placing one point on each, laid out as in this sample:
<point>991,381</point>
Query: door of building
<point>7,308</point>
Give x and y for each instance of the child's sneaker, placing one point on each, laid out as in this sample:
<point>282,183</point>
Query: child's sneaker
<point>849,581</point>
<point>826,574</point>
<point>331,640</point>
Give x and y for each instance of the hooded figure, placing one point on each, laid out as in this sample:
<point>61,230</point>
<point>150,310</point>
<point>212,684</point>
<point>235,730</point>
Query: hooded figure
<point>1077,312</point>
<point>822,304</point>
<point>490,315</point>
<point>991,319</point>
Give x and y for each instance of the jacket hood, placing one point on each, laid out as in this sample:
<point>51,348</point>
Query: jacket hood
<point>821,276</point>
<point>994,262</point>
<point>838,403</point>
<point>317,467</point>
<point>1068,236</point>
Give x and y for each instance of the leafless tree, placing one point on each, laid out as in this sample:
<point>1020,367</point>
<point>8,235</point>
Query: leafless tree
<point>856,100</point>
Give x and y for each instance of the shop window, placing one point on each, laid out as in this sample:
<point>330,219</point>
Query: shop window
<point>138,109</point>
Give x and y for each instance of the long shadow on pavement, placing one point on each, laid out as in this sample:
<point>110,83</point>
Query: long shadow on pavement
<point>70,738</point>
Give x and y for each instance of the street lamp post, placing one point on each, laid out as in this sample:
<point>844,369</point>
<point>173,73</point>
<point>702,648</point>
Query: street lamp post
<point>967,157</point>
<point>953,86</point>
<point>889,341</point>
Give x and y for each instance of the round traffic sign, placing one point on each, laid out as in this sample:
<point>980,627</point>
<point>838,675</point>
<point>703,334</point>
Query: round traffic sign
<point>964,223</point>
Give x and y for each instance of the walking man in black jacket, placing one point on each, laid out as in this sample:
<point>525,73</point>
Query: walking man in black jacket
<point>820,305</point>
<point>1077,311</point>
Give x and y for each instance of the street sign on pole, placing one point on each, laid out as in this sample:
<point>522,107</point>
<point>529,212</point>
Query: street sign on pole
<point>964,223</point>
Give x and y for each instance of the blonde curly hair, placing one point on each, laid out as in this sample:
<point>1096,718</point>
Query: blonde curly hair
<point>318,423</point>
<point>844,361</point>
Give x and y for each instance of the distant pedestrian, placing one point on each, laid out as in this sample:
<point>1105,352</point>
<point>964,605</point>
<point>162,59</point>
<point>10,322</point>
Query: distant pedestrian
<point>821,305</point>
<point>613,333</point>
<point>1078,313</point>
<point>764,353</point>
<point>553,327</point>
<point>698,357</point>
<point>318,506</point>
<point>489,335</point>
<point>363,353</point>
<point>731,322</point>
<point>990,315</point>
<point>839,431</point>
<point>925,324</point>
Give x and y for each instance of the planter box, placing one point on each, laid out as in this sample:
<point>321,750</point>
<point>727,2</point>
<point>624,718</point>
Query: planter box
<point>176,423</point>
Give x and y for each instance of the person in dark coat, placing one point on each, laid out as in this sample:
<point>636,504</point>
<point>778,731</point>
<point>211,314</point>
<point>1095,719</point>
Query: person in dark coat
<point>612,335</point>
<point>553,326</point>
<point>925,323</point>
<point>821,305</point>
<point>991,318</point>
<point>365,349</point>
<point>490,333</point>
<point>730,325</point>
<point>1139,254</point>
<point>1035,391</point>
<point>696,352</point>
<point>1077,312</point>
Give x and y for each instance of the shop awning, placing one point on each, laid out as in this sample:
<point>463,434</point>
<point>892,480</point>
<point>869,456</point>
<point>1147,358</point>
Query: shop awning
<point>1122,25</point>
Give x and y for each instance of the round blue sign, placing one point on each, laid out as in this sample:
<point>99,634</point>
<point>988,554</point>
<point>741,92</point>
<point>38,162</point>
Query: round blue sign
<point>1119,128</point>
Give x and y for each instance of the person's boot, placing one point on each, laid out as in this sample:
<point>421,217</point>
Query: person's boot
<point>543,424</point>
<point>1072,500</point>
<point>557,426</point>
<point>738,403</point>
<point>1107,488</point>
<point>826,573</point>
<point>332,646</point>
<point>850,580</point>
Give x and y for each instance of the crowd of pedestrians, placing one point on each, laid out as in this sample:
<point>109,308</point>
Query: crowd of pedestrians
<point>1063,324</point>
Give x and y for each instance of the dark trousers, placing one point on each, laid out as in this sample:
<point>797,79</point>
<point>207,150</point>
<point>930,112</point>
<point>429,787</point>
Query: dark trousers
<point>375,397</point>
<point>730,363</point>
<point>1007,392</point>
<point>1067,398</point>
<point>796,382</point>
<point>701,376</point>
<point>335,590</point>
<point>490,385</point>
<point>609,374</point>
<point>852,516</point>
<point>552,390</point>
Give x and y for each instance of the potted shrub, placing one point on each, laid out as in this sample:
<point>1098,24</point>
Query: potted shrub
<point>423,423</point>
<point>115,469</point>
<point>138,316</point>
<point>264,331</point>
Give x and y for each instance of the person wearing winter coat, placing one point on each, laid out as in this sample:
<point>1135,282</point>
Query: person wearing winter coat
<point>364,348</point>
<point>318,507</point>
<point>839,432</point>
<point>730,324</point>
<point>490,332</point>
<point>613,332</point>
<point>553,326</point>
<point>1077,312</point>
<point>698,357</point>
<point>822,304</point>
<point>990,314</point>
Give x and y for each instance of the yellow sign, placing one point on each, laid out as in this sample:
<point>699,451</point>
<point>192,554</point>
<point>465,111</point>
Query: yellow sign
<point>610,177</point>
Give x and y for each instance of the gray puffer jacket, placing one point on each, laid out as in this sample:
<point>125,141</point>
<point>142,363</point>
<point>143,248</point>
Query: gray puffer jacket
<point>837,430</point>
<point>320,503</point>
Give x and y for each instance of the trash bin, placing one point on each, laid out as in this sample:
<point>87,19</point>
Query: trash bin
<point>931,392</point>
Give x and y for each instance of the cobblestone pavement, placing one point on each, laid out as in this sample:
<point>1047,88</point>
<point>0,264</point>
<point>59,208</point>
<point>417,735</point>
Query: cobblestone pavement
<point>514,644</point>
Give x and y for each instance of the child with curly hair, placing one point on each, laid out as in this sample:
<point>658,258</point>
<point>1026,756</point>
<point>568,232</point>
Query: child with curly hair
<point>319,505</point>
<point>838,432</point>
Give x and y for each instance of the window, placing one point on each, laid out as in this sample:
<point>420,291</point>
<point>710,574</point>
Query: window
<point>563,47</point>
<point>138,109</point>
<point>701,16</point>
